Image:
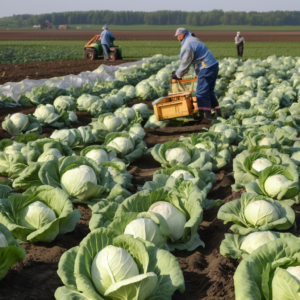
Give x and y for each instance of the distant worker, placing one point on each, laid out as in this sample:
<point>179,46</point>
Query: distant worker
<point>239,41</point>
<point>206,68</point>
<point>106,37</point>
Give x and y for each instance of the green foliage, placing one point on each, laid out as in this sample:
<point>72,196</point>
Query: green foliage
<point>27,51</point>
<point>10,251</point>
<point>26,223</point>
<point>263,274</point>
<point>254,213</point>
<point>158,273</point>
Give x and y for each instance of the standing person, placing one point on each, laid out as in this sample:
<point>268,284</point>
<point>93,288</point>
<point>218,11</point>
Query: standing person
<point>239,41</point>
<point>105,37</point>
<point>206,68</point>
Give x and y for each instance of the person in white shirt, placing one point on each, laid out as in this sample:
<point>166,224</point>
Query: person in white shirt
<point>239,41</point>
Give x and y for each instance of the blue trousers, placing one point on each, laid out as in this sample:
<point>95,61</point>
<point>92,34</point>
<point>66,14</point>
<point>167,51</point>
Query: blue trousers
<point>105,51</point>
<point>205,94</point>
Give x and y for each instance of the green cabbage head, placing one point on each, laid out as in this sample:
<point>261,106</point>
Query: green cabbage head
<point>74,180</point>
<point>107,266</point>
<point>146,229</point>
<point>175,218</point>
<point>257,239</point>
<point>253,213</point>
<point>112,264</point>
<point>39,214</point>
<point>270,272</point>
<point>10,250</point>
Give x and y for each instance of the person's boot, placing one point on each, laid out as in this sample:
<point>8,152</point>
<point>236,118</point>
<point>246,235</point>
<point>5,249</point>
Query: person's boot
<point>206,117</point>
<point>218,112</point>
<point>199,117</point>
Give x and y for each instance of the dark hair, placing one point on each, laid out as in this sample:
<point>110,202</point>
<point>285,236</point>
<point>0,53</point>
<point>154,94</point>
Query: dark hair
<point>193,34</point>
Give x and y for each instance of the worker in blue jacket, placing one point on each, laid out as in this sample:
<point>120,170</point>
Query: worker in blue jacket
<point>106,37</point>
<point>206,68</point>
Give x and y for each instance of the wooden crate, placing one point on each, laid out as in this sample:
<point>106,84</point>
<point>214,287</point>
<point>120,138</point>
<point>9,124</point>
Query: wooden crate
<point>174,106</point>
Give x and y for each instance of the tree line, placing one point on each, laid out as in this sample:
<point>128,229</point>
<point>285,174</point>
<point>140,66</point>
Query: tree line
<point>164,17</point>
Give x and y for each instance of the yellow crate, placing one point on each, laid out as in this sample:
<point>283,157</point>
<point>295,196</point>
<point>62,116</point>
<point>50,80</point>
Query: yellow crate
<point>174,106</point>
<point>178,103</point>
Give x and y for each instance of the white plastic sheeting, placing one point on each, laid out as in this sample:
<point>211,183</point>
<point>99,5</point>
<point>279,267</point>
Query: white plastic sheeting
<point>104,72</point>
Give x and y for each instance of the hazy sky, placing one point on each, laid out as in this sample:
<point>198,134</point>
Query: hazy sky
<point>8,8</point>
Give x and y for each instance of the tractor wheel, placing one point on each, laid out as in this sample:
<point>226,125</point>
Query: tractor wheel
<point>113,55</point>
<point>90,54</point>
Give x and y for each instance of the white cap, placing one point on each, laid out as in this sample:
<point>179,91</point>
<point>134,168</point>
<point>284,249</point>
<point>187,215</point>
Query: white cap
<point>104,27</point>
<point>181,31</point>
<point>238,33</point>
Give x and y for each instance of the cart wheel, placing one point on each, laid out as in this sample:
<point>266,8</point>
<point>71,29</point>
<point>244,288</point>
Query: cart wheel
<point>112,56</point>
<point>90,54</point>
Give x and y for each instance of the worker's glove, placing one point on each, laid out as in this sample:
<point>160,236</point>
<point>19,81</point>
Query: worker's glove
<point>174,76</point>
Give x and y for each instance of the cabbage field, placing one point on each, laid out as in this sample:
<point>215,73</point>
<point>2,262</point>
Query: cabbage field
<point>100,200</point>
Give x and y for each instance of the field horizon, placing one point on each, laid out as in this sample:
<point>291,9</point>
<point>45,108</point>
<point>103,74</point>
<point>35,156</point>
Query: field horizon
<point>86,27</point>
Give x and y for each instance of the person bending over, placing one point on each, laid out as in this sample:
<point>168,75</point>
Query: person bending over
<point>206,68</point>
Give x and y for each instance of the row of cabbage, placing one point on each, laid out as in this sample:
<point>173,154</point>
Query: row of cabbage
<point>266,150</point>
<point>103,97</point>
<point>271,179</point>
<point>98,177</point>
<point>166,213</point>
<point>264,99</point>
<point>127,77</point>
<point>56,106</point>
<point>54,177</point>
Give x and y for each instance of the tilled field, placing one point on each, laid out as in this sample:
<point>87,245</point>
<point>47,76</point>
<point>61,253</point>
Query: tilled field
<point>208,275</point>
<point>205,36</point>
<point>49,69</point>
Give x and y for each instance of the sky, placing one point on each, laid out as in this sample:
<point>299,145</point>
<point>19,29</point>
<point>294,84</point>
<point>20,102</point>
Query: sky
<point>39,7</point>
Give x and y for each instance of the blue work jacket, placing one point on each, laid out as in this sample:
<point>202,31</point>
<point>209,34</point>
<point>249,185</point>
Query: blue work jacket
<point>105,37</point>
<point>196,53</point>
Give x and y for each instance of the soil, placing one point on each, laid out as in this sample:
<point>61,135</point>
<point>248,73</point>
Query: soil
<point>208,275</point>
<point>50,69</point>
<point>205,36</point>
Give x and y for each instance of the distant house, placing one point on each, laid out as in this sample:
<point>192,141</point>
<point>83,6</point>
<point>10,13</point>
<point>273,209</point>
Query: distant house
<point>63,26</point>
